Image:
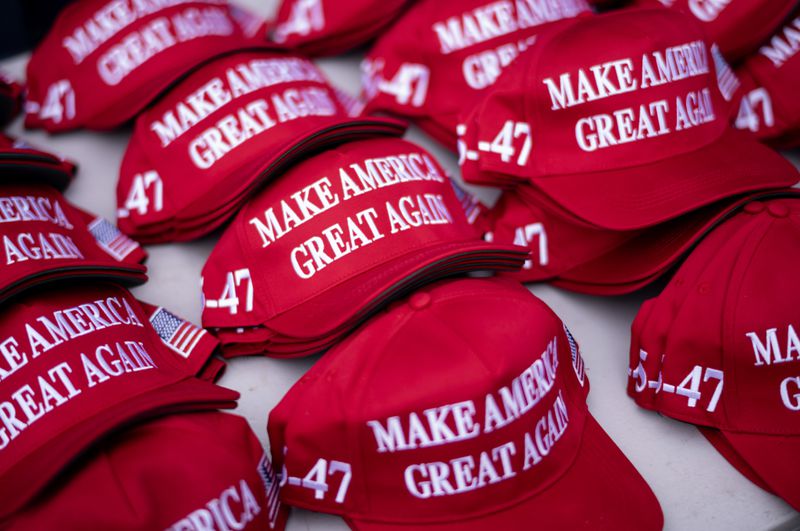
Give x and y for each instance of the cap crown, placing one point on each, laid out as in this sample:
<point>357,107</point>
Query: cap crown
<point>423,413</point>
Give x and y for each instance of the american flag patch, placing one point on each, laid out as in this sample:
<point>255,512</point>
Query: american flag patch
<point>577,360</point>
<point>178,334</point>
<point>272,488</point>
<point>111,240</point>
<point>469,202</point>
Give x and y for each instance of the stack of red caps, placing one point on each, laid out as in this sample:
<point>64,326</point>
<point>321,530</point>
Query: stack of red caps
<point>103,61</point>
<point>463,408</point>
<point>199,471</point>
<point>10,98</point>
<point>21,161</point>
<point>737,26</point>
<point>440,56</point>
<point>604,145</point>
<point>44,238</point>
<point>334,239</point>
<point>719,347</point>
<point>770,107</point>
<point>330,27</point>
<point>79,363</point>
<point>203,148</point>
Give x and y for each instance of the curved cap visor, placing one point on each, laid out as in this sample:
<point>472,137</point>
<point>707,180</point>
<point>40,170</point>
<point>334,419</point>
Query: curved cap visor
<point>642,196</point>
<point>602,490</point>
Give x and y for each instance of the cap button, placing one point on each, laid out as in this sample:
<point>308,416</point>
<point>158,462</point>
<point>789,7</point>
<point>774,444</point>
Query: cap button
<point>754,207</point>
<point>419,300</point>
<point>778,210</point>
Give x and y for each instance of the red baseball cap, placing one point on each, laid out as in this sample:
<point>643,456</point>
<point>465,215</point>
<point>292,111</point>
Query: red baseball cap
<point>21,161</point>
<point>493,432</point>
<point>719,349</point>
<point>199,152</point>
<point>769,106</point>
<point>10,98</point>
<point>103,61</point>
<point>76,364</point>
<point>44,238</point>
<point>181,472</point>
<point>337,236</point>
<point>328,27</point>
<point>437,59</point>
<point>738,26</point>
<point>572,117</point>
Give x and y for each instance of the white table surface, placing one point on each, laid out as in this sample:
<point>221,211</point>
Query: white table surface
<point>697,488</point>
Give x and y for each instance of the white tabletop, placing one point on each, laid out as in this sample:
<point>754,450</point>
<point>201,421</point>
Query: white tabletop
<point>696,486</point>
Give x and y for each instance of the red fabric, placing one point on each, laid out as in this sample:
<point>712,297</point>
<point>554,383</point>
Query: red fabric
<point>330,27</point>
<point>439,57</point>
<point>22,161</point>
<point>738,26</point>
<point>769,106</point>
<point>103,61</point>
<point>45,238</point>
<point>464,344</point>
<point>10,98</point>
<point>335,237</point>
<point>725,327</point>
<point>615,154</point>
<point>181,472</point>
<point>77,364</point>
<point>204,148</point>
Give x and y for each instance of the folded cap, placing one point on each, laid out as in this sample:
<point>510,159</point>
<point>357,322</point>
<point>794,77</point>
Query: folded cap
<point>719,347</point>
<point>43,236</point>
<point>10,98</point>
<point>76,364</point>
<point>202,149</point>
<point>21,161</point>
<point>103,61</point>
<point>494,431</point>
<point>181,472</point>
<point>335,233</point>
<point>328,27</point>
<point>626,134</point>
<point>437,59</point>
<point>738,26</point>
<point>769,106</point>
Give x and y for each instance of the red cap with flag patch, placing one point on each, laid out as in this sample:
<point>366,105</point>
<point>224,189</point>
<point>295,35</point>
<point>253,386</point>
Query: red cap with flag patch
<point>105,60</point>
<point>328,27</point>
<point>769,106</point>
<point>440,56</point>
<point>494,433</point>
<point>719,347</point>
<point>738,26</point>
<point>337,236</point>
<point>44,238</point>
<point>187,472</point>
<point>213,139</point>
<point>625,135</point>
<point>76,364</point>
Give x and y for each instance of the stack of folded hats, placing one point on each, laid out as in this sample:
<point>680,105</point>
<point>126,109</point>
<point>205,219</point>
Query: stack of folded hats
<point>99,66</point>
<point>626,146</point>
<point>333,239</point>
<point>719,346</point>
<point>432,76</point>
<point>20,159</point>
<point>462,407</point>
<point>329,27</point>
<point>769,105</point>
<point>236,122</point>
<point>738,26</point>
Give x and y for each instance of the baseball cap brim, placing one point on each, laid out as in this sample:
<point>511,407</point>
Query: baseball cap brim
<point>601,490</point>
<point>771,458</point>
<point>643,196</point>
